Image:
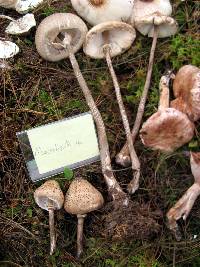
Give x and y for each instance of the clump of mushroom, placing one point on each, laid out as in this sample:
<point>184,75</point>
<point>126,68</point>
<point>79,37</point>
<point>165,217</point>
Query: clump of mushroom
<point>60,36</point>
<point>107,40</point>
<point>169,128</point>
<point>50,197</point>
<point>186,87</point>
<point>184,205</point>
<point>98,11</point>
<point>150,18</point>
<point>82,198</point>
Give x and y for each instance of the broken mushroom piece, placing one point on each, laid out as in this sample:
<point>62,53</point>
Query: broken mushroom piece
<point>167,129</point>
<point>8,49</point>
<point>184,205</point>
<point>50,197</point>
<point>156,26</point>
<point>21,6</point>
<point>186,87</point>
<point>60,36</point>
<point>98,11</point>
<point>82,198</point>
<point>107,40</point>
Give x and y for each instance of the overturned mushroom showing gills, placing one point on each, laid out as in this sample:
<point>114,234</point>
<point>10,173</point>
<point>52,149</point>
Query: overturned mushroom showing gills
<point>98,11</point>
<point>60,36</point>
<point>154,25</point>
<point>184,205</point>
<point>186,87</point>
<point>167,129</point>
<point>82,198</point>
<point>50,197</point>
<point>106,40</point>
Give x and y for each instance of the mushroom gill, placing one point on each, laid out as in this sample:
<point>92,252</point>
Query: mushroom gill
<point>97,3</point>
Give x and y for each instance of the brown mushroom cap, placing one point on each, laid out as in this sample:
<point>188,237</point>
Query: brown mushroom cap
<point>49,192</point>
<point>8,3</point>
<point>167,130</point>
<point>52,29</point>
<point>82,197</point>
<point>195,165</point>
<point>186,88</point>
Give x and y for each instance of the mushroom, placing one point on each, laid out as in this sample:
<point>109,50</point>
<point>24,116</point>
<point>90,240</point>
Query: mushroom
<point>186,87</point>
<point>21,25</point>
<point>98,11</point>
<point>82,198</point>
<point>107,40</point>
<point>21,6</point>
<point>50,197</point>
<point>184,205</point>
<point>167,129</point>
<point>8,49</point>
<point>60,36</point>
<point>150,18</point>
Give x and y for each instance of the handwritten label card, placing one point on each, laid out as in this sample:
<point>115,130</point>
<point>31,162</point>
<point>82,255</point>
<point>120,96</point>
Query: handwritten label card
<point>68,143</point>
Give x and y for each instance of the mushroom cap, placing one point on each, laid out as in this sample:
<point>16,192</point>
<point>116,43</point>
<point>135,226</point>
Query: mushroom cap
<point>52,29</point>
<point>98,11</point>
<point>119,37</point>
<point>186,88</point>
<point>23,7</point>
<point>22,25</point>
<point>167,130</point>
<point>49,193</point>
<point>82,198</point>
<point>167,26</point>
<point>195,165</point>
<point>8,49</point>
<point>8,3</point>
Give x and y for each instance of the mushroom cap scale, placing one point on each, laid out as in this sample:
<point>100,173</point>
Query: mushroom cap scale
<point>120,37</point>
<point>82,198</point>
<point>186,88</point>
<point>96,12</point>
<point>167,130</point>
<point>52,29</point>
<point>47,193</point>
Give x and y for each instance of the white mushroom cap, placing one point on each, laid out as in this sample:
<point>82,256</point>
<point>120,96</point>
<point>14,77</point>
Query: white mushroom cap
<point>82,198</point>
<point>8,49</point>
<point>98,11</point>
<point>186,88</point>
<point>167,130</point>
<point>167,26</point>
<point>52,29</point>
<point>49,193</point>
<point>118,35</point>
<point>22,25</point>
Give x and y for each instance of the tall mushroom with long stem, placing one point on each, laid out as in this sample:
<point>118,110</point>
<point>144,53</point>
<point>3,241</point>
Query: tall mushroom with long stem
<point>60,36</point>
<point>107,40</point>
<point>50,197</point>
<point>184,205</point>
<point>150,18</point>
<point>82,198</point>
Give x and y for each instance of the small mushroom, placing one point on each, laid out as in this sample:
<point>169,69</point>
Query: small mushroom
<point>150,18</point>
<point>167,129</point>
<point>50,197</point>
<point>184,205</point>
<point>98,11</point>
<point>186,87</point>
<point>8,49</point>
<point>60,36</point>
<point>107,40</point>
<point>82,198</point>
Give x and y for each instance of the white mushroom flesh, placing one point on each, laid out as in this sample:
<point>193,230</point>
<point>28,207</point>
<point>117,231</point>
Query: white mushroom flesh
<point>8,49</point>
<point>21,25</point>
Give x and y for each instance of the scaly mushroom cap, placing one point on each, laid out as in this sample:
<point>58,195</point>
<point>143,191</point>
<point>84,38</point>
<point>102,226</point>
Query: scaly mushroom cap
<point>195,165</point>
<point>8,3</point>
<point>49,192</point>
<point>167,130</point>
<point>167,26</point>
<point>118,35</point>
<point>186,89</point>
<point>52,29</point>
<point>98,11</point>
<point>8,49</point>
<point>82,198</point>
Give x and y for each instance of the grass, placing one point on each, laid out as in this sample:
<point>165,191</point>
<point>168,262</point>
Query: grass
<point>35,92</point>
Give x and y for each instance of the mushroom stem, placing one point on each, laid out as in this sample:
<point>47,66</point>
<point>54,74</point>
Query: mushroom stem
<point>134,158</point>
<point>182,209</point>
<point>81,219</point>
<point>114,188</point>
<point>164,92</point>
<point>123,157</point>
<point>52,231</point>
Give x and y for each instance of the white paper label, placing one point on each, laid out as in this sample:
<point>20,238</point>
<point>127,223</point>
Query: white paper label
<point>63,143</point>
